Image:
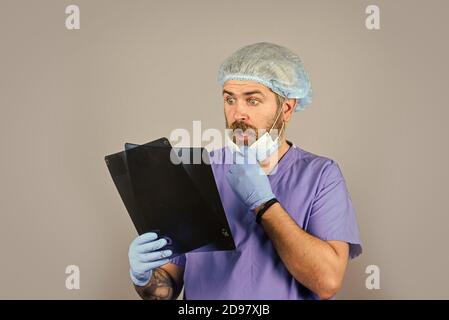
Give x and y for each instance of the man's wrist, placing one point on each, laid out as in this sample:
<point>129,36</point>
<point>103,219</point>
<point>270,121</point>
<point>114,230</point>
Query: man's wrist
<point>260,203</point>
<point>260,206</point>
<point>257,209</point>
<point>263,208</point>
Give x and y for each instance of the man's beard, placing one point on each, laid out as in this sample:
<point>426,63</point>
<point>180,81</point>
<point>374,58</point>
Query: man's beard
<point>251,133</point>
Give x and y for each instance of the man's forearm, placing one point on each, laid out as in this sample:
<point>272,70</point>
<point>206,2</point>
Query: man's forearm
<point>160,287</point>
<point>310,260</point>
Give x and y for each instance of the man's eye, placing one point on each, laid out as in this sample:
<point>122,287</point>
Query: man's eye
<point>253,102</point>
<point>230,100</point>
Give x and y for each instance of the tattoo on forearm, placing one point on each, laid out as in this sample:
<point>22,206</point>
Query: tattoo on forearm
<point>160,287</point>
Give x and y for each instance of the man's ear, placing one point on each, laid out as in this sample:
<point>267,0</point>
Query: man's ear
<point>289,107</point>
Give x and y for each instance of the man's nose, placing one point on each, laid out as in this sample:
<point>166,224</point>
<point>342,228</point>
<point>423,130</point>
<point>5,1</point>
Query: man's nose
<point>240,112</point>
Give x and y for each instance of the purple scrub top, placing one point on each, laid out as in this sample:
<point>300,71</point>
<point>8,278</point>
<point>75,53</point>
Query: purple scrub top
<point>312,190</point>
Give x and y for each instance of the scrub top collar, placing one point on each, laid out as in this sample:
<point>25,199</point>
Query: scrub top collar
<point>284,164</point>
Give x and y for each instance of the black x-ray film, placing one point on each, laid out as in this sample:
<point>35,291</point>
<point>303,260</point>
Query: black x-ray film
<point>196,163</point>
<point>172,191</point>
<point>118,169</point>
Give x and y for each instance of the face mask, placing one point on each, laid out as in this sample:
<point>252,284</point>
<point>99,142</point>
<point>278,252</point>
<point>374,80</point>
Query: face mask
<point>264,147</point>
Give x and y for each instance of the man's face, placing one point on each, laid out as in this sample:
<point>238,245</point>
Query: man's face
<point>249,106</point>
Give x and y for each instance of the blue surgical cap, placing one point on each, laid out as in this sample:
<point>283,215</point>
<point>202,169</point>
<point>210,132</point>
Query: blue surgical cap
<point>274,66</point>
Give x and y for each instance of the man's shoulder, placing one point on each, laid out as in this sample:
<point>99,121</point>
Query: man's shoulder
<point>323,168</point>
<point>312,159</point>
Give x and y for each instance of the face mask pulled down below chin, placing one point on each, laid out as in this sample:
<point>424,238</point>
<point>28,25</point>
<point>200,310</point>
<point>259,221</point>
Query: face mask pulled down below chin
<point>263,147</point>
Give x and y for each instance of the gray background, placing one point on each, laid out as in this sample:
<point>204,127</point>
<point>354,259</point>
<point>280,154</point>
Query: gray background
<point>136,70</point>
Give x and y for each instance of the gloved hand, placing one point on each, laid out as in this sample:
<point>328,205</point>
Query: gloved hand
<point>248,181</point>
<point>143,257</point>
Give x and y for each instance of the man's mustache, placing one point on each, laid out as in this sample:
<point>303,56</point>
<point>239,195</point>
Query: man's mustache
<point>242,126</point>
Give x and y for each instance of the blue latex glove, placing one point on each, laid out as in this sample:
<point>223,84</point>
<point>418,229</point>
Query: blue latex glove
<point>248,180</point>
<point>143,257</point>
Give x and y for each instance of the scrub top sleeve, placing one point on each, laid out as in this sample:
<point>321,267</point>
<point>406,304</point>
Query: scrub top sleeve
<point>179,260</point>
<point>332,216</point>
